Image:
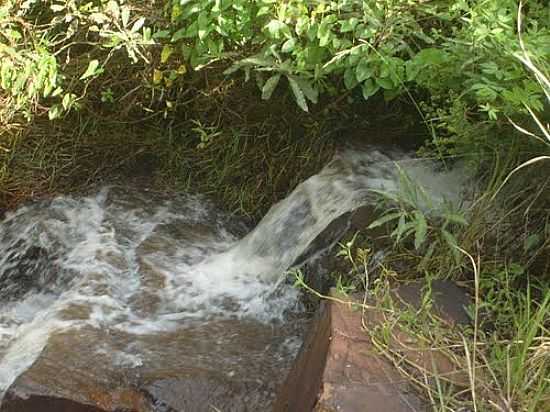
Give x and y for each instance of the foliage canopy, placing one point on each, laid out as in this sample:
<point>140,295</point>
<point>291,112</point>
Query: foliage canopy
<point>59,55</point>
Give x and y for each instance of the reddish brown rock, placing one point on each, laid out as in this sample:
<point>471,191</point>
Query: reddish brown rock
<point>351,375</point>
<point>89,370</point>
<point>356,375</point>
<point>301,388</point>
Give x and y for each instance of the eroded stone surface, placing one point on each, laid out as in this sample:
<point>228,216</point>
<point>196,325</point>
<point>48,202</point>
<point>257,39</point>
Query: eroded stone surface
<point>449,300</point>
<point>91,370</point>
<point>300,390</point>
<point>356,376</point>
<point>340,359</point>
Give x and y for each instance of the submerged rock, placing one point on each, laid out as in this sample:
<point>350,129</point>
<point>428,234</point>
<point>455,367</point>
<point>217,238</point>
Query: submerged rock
<point>25,270</point>
<point>126,302</point>
<point>196,369</point>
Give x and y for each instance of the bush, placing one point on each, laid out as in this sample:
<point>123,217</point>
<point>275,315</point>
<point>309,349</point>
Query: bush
<point>53,50</point>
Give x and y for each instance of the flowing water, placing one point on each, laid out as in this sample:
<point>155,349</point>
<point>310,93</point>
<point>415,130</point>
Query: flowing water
<point>171,280</point>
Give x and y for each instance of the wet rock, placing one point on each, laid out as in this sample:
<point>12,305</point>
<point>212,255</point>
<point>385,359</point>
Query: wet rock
<point>339,369</point>
<point>450,302</point>
<point>362,217</point>
<point>356,375</point>
<point>331,234</point>
<point>319,257</point>
<point>193,369</point>
<point>200,393</point>
<point>33,403</point>
<point>301,388</point>
<point>71,375</point>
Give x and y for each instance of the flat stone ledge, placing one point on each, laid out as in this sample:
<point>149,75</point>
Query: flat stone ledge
<point>339,359</point>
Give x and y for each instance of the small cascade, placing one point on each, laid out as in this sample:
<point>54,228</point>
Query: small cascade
<point>150,268</point>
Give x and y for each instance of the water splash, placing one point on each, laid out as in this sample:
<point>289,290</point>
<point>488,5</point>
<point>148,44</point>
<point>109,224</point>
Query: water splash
<point>142,263</point>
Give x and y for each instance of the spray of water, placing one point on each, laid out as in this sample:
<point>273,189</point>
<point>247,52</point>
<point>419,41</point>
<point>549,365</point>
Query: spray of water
<point>143,264</point>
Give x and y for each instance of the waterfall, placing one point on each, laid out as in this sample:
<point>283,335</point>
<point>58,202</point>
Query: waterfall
<point>143,263</point>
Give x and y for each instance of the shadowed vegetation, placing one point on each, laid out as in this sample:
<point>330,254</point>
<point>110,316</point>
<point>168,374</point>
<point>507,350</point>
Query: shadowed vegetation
<point>244,99</point>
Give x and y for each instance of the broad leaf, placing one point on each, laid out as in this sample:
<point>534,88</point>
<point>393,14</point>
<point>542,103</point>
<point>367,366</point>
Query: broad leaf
<point>298,94</point>
<point>92,70</point>
<point>364,70</point>
<point>138,24</point>
<point>269,86</point>
<point>384,219</point>
<point>167,51</point>
<point>125,15</point>
<point>288,45</point>
<point>421,229</point>
<point>455,218</point>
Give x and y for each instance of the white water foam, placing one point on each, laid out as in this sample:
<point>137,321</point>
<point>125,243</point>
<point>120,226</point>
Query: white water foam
<point>142,264</point>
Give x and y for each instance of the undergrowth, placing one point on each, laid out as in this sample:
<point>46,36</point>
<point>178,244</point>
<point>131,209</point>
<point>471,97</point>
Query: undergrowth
<point>244,99</point>
<point>496,247</point>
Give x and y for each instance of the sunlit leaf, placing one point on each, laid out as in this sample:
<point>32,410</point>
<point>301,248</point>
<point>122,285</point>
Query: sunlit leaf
<point>298,94</point>
<point>167,51</point>
<point>269,86</point>
<point>138,24</point>
<point>157,76</point>
<point>92,70</point>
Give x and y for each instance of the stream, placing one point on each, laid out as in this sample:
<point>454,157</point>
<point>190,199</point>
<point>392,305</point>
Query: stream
<point>165,302</point>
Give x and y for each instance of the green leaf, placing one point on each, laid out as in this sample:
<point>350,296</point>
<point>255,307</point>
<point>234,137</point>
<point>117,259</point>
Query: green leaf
<point>232,69</point>
<point>288,45</point>
<point>19,83</point>
<point>167,51</point>
<point>147,37</point>
<point>384,219</point>
<point>324,33</point>
<point>385,83</point>
<point>6,73</point>
<point>412,70</point>
<point>364,70</point>
<point>55,112</point>
<point>92,70</point>
<point>455,218</point>
<point>391,94</point>
<point>302,25</point>
<point>298,94</point>
<point>57,92</point>
<point>452,243</point>
<point>180,34</point>
<point>263,11</point>
<point>311,93</point>
<point>350,80</point>
<point>276,27</point>
<point>348,24</point>
<point>431,57</point>
<point>138,24</point>
<point>369,88</point>
<point>203,25</point>
<point>68,100</point>
<point>421,229</point>
<point>403,228</point>
<point>269,86</point>
<point>162,34</point>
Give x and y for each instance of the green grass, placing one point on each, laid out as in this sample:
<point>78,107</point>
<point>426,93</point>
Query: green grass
<point>499,362</point>
<point>246,163</point>
<point>248,170</point>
